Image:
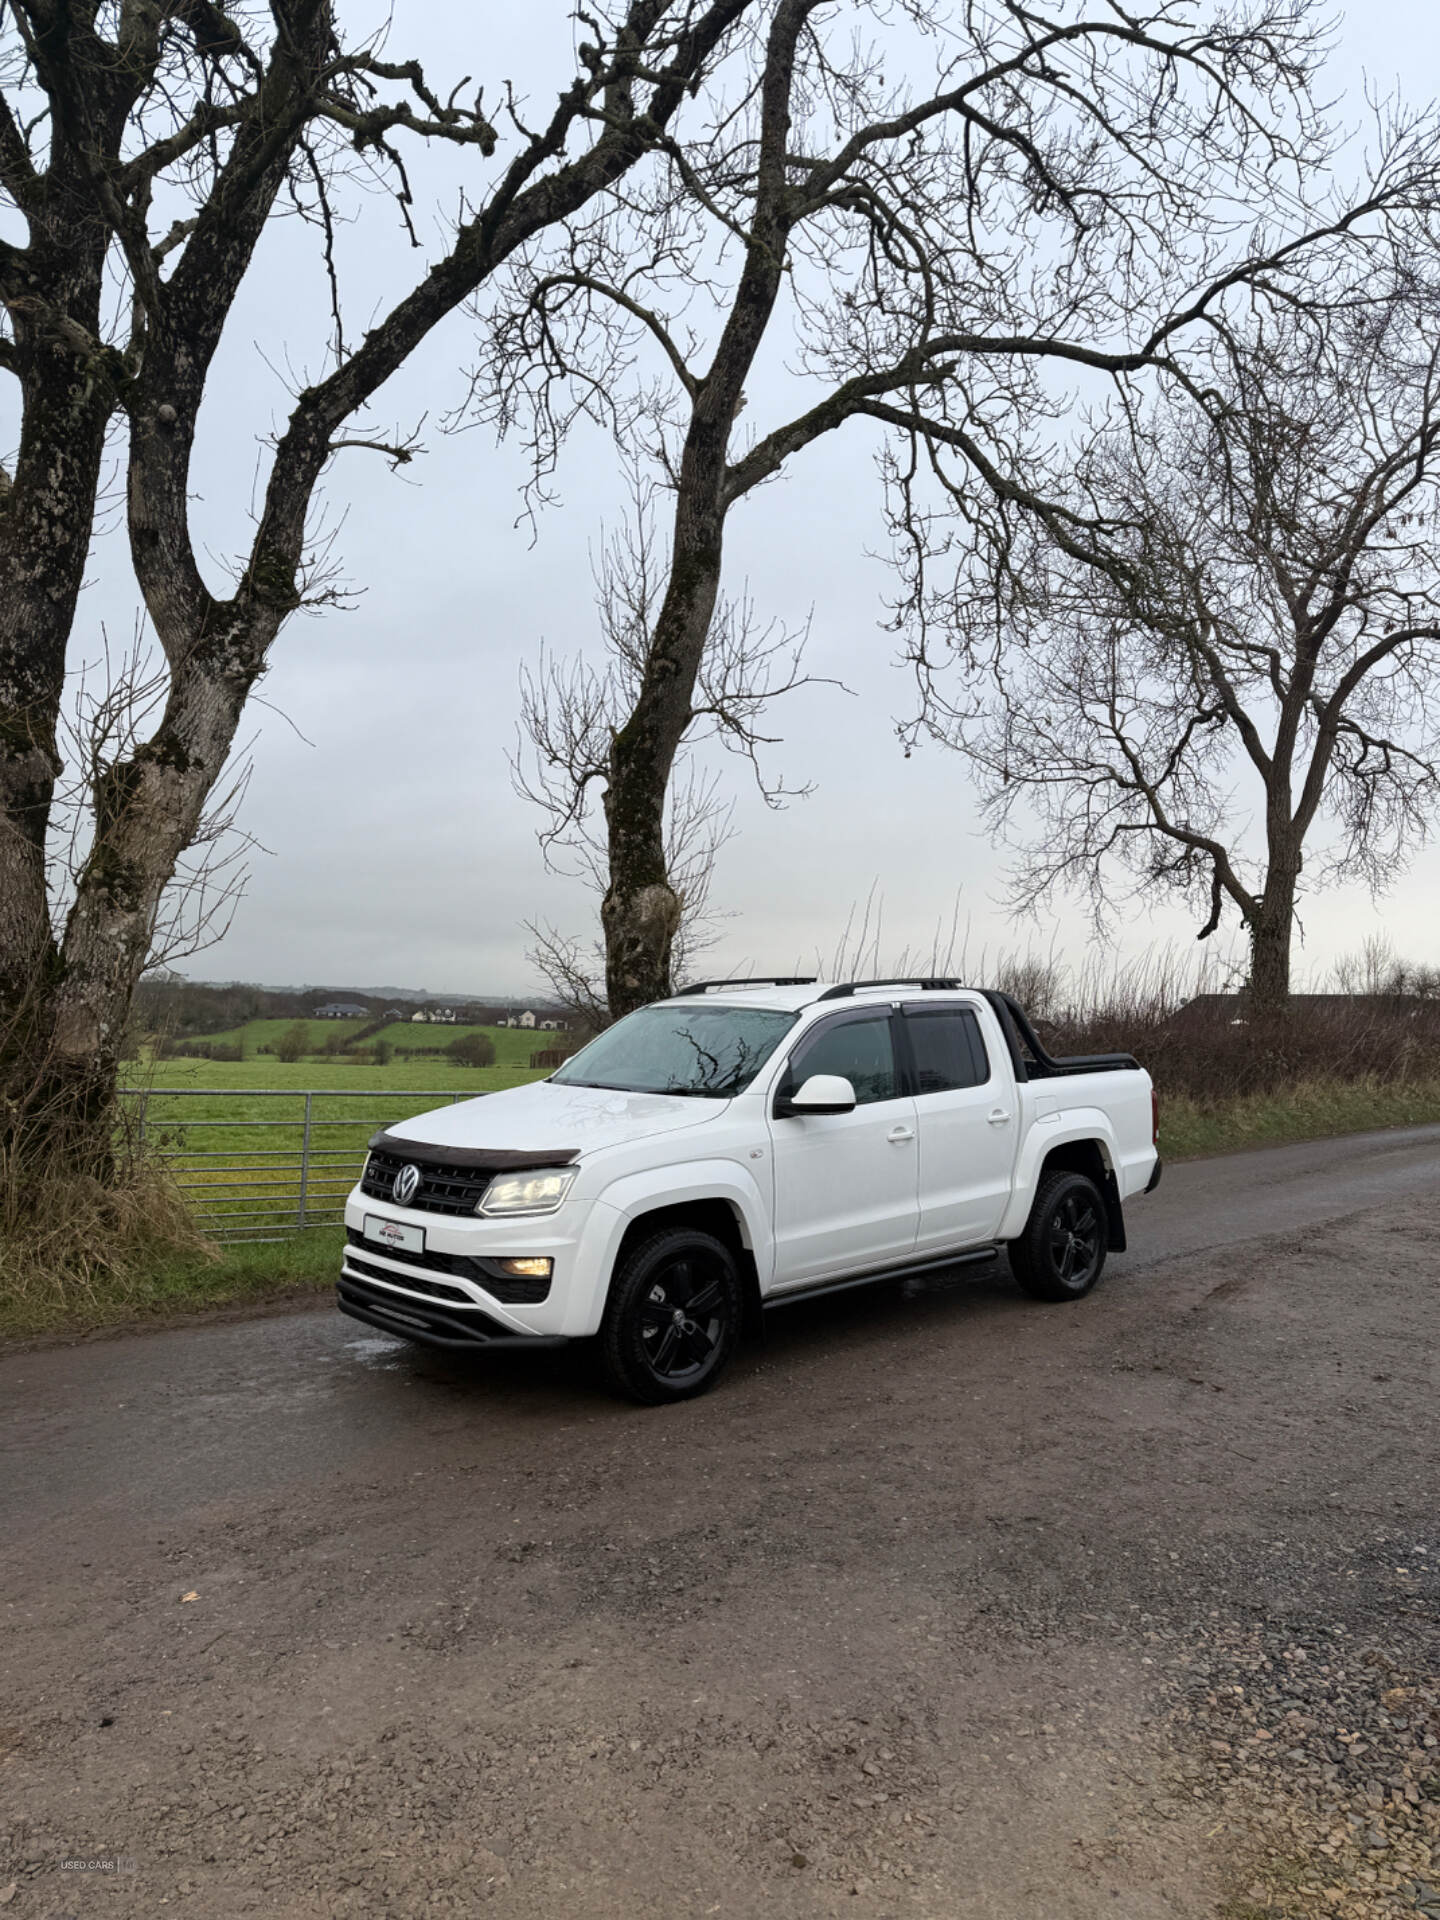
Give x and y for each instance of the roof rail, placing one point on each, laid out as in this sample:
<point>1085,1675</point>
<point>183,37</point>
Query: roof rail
<point>928,984</point>
<point>757,980</point>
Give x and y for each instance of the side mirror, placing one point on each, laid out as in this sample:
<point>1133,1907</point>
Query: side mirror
<point>821,1093</point>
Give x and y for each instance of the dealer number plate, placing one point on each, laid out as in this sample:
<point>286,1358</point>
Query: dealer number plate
<point>394,1233</point>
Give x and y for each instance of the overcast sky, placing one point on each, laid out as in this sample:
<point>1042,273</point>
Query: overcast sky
<point>396,850</point>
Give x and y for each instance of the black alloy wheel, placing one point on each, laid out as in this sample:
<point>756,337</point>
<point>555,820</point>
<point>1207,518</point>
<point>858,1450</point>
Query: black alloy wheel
<point>1061,1253</point>
<point>673,1316</point>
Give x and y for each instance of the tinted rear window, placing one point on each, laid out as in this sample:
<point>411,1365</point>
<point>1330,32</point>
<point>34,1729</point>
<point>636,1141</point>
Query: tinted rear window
<point>949,1049</point>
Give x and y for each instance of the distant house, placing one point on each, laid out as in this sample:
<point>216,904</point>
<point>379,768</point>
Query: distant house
<point>527,1019</point>
<point>342,1010</point>
<point>551,1026</point>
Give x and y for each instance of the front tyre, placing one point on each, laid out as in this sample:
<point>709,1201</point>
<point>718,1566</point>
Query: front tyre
<point>1061,1253</point>
<point>672,1320</point>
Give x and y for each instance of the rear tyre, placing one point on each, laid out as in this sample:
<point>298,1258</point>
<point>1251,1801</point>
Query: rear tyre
<point>1061,1253</point>
<point>672,1320</point>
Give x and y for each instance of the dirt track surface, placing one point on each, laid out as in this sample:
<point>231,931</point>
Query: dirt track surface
<point>937,1608</point>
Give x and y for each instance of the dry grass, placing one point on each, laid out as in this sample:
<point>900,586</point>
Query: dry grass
<point>79,1251</point>
<point>1310,1110</point>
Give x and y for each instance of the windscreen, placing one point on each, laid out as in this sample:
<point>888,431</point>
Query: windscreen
<point>709,1053</point>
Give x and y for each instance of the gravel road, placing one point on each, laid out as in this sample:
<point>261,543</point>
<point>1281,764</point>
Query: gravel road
<point>946,1605</point>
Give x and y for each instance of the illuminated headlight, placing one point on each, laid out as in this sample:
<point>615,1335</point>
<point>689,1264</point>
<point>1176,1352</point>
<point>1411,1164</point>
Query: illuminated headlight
<point>527,1269</point>
<point>527,1192</point>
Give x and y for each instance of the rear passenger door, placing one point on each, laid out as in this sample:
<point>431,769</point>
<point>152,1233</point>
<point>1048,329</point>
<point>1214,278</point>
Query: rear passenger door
<point>846,1191</point>
<point>967,1117</point>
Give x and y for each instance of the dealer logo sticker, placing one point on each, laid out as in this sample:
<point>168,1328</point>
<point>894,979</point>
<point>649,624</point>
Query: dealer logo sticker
<point>405,1184</point>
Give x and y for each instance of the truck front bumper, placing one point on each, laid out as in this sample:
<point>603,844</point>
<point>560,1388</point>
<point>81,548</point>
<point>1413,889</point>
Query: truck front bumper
<point>458,1329</point>
<point>444,1288</point>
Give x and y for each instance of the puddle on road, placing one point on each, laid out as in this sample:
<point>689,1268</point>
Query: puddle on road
<point>382,1354</point>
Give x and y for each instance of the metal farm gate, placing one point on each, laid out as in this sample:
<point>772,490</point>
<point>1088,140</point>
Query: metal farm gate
<point>262,1164</point>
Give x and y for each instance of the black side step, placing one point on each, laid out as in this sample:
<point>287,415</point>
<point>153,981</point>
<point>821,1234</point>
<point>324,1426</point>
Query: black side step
<point>968,1258</point>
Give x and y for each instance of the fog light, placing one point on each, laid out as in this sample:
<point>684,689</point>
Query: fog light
<point>527,1269</point>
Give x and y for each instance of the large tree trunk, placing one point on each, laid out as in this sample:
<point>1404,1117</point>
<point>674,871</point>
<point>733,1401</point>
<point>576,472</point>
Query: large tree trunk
<point>47,514</point>
<point>148,810</point>
<point>1272,931</point>
<point>1269,988</point>
<point>1271,924</point>
<point>640,914</point>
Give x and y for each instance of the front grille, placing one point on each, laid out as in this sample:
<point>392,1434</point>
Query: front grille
<point>442,1189</point>
<point>516,1290</point>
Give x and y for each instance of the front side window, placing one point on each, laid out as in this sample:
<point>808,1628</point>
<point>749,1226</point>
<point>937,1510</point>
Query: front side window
<point>948,1049</point>
<point>860,1051</point>
<point>705,1053</point>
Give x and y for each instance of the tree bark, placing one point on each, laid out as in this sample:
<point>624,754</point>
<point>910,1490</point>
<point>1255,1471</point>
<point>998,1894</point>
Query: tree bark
<point>1271,939</point>
<point>68,386</point>
<point>640,914</point>
<point>148,810</point>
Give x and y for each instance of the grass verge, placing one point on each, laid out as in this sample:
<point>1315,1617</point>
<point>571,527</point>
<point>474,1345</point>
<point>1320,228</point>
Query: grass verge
<point>1311,1110</point>
<point>175,1285</point>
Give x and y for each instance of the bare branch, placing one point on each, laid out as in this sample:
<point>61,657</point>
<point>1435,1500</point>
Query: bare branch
<point>1240,570</point>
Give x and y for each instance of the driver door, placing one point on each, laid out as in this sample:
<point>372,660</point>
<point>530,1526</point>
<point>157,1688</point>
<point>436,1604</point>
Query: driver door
<point>847,1189</point>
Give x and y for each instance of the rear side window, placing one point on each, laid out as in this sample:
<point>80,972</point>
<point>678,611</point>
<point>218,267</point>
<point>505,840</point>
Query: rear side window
<point>860,1051</point>
<point>948,1048</point>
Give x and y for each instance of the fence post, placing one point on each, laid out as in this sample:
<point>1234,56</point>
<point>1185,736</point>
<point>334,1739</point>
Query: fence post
<point>305,1160</point>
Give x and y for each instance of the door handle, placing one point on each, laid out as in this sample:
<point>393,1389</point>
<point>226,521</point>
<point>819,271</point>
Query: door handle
<point>999,1117</point>
<point>897,1136</point>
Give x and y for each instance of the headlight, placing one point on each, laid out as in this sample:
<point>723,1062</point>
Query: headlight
<point>527,1192</point>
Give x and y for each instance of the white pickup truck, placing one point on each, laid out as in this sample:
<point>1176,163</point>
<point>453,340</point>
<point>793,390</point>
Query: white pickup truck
<point>744,1145</point>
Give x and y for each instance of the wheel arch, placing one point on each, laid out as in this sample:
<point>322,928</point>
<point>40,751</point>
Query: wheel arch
<point>716,1214</point>
<point>1091,1157</point>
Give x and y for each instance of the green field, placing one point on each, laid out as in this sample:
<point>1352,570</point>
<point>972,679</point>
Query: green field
<point>233,1132</point>
<point>513,1045</point>
<point>264,1033</point>
<point>264,1070</point>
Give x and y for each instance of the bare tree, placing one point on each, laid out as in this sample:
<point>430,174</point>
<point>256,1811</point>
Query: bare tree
<point>573,966</point>
<point>1061,195</point>
<point>144,147</point>
<point>570,712</point>
<point>1224,640</point>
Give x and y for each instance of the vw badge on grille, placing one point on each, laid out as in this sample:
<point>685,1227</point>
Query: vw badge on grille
<point>404,1185</point>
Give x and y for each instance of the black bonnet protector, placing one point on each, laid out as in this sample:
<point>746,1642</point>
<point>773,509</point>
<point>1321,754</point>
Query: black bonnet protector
<point>483,1159</point>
